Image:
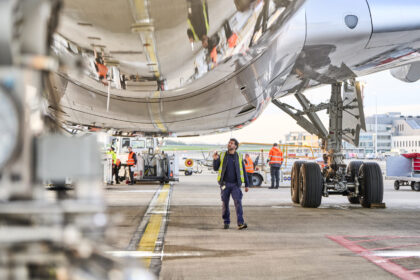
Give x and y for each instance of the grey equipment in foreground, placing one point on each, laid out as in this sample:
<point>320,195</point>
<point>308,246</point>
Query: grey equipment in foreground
<point>44,237</point>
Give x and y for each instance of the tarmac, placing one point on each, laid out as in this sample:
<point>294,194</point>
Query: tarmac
<point>176,231</point>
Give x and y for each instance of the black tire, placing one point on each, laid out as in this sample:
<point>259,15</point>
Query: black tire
<point>294,181</point>
<point>310,185</point>
<point>416,186</point>
<point>371,183</point>
<point>353,200</point>
<point>188,173</point>
<point>396,185</point>
<point>256,180</point>
<point>353,169</point>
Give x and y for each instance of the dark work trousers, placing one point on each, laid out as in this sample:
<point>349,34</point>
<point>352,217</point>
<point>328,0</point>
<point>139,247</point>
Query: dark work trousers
<point>275,174</point>
<point>251,184</point>
<point>234,190</point>
<point>115,170</point>
<point>131,171</point>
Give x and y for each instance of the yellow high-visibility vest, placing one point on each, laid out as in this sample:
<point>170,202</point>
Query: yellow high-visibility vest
<point>241,169</point>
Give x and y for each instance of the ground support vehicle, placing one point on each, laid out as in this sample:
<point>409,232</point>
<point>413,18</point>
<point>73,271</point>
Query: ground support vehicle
<point>153,167</point>
<point>190,165</point>
<point>262,168</point>
<point>152,163</point>
<point>107,169</point>
<point>405,170</point>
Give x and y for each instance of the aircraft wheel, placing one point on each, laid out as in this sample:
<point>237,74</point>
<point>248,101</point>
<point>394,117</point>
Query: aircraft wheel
<point>372,185</point>
<point>294,181</point>
<point>310,185</point>
<point>417,186</point>
<point>256,180</point>
<point>396,185</point>
<point>412,185</point>
<point>188,173</point>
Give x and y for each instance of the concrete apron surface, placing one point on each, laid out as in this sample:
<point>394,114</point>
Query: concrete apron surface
<point>283,240</point>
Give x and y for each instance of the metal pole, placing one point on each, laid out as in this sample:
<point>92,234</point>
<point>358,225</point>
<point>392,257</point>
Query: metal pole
<point>107,100</point>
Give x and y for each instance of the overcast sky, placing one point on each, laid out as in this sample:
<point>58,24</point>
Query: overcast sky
<point>390,94</point>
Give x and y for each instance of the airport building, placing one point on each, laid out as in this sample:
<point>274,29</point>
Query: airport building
<point>390,132</point>
<point>406,135</point>
<point>302,138</point>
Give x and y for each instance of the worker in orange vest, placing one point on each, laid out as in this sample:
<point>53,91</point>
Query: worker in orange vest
<point>131,161</point>
<point>275,158</point>
<point>249,168</point>
<point>100,67</point>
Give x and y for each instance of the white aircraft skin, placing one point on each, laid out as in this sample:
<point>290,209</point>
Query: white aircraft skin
<point>306,44</point>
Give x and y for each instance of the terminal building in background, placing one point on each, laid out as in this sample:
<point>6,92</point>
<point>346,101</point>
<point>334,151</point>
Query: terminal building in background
<point>406,135</point>
<point>301,138</point>
<point>385,134</point>
<point>382,132</point>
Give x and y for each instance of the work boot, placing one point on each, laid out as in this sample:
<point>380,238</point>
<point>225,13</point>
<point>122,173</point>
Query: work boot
<point>226,226</point>
<point>271,187</point>
<point>243,226</point>
<point>277,187</point>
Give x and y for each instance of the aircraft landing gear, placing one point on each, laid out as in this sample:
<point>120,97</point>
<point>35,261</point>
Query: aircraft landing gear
<point>360,182</point>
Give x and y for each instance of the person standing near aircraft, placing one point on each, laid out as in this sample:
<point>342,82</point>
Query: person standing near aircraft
<point>231,175</point>
<point>100,67</point>
<point>249,167</point>
<point>275,158</point>
<point>131,161</point>
<point>198,20</point>
<point>113,155</point>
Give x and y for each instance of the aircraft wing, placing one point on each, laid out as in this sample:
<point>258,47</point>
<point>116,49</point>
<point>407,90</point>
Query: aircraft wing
<point>162,77</point>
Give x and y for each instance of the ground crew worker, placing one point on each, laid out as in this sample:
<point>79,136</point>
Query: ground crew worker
<point>230,177</point>
<point>131,161</point>
<point>198,20</point>
<point>249,167</point>
<point>275,157</point>
<point>100,67</point>
<point>117,170</point>
<point>111,152</point>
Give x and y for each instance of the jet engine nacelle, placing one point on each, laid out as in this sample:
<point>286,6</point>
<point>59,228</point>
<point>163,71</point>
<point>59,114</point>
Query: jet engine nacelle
<point>409,73</point>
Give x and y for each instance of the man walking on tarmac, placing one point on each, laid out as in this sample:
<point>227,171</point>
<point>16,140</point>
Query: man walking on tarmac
<point>275,157</point>
<point>230,177</point>
<point>131,161</point>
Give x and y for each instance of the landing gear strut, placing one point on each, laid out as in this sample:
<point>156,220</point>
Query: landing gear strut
<point>360,182</point>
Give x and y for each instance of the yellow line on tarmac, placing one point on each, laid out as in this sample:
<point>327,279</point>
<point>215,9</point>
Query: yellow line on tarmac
<point>151,233</point>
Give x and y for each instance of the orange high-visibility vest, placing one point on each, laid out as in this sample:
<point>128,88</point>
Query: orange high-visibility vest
<point>102,69</point>
<point>276,156</point>
<point>249,165</point>
<point>130,160</point>
<point>118,163</point>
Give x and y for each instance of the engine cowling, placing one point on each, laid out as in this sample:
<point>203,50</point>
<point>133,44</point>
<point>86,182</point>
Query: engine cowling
<point>409,73</point>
